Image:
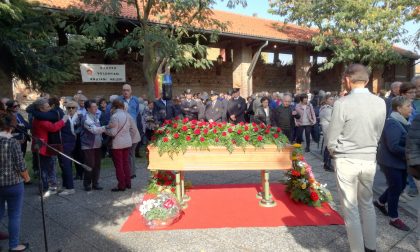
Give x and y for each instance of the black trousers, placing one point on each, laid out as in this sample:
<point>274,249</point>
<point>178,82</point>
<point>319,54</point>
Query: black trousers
<point>93,160</point>
<point>78,155</point>
<point>288,134</point>
<point>307,129</point>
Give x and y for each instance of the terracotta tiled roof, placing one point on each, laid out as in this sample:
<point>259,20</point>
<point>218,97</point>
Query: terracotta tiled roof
<point>241,25</point>
<point>237,25</point>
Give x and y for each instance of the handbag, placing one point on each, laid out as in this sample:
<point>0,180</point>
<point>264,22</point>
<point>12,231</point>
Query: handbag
<point>109,139</point>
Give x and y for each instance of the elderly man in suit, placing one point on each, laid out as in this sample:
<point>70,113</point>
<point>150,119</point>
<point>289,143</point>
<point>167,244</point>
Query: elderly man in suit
<point>189,106</point>
<point>215,111</point>
<point>236,108</point>
<point>163,110</point>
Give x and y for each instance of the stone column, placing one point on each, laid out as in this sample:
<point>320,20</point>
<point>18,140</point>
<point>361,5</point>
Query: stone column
<point>242,57</point>
<point>302,63</point>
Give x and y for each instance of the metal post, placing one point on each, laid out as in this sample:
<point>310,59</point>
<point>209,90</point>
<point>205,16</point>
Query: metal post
<point>261,193</point>
<point>184,196</point>
<point>267,200</point>
<point>179,189</point>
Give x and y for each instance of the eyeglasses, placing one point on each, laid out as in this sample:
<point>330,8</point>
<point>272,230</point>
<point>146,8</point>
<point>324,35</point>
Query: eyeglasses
<point>71,108</point>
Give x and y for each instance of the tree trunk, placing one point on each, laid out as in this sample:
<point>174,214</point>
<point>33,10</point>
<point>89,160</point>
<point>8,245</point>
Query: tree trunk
<point>149,68</point>
<point>6,84</point>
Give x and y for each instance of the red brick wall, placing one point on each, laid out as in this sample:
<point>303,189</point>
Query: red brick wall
<point>266,77</point>
<point>269,77</point>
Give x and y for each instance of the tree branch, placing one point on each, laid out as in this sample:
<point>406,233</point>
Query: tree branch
<point>138,10</point>
<point>148,8</point>
<point>198,11</point>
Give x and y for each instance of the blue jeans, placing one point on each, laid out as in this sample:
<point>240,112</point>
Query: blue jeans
<point>67,165</point>
<point>13,196</point>
<point>48,174</point>
<point>396,180</point>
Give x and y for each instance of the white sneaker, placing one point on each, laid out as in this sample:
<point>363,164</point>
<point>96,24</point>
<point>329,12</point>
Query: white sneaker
<point>403,199</point>
<point>66,192</point>
<point>405,196</point>
<point>46,194</point>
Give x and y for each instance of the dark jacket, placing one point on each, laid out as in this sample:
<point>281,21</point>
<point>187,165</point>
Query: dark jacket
<point>391,151</point>
<point>53,115</point>
<point>261,117</point>
<point>162,112</point>
<point>388,103</point>
<point>236,107</point>
<point>216,113</point>
<point>412,149</point>
<point>249,112</point>
<point>283,118</point>
<point>66,134</point>
<point>201,110</point>
<point>190,109</point>
<point>21,130</point>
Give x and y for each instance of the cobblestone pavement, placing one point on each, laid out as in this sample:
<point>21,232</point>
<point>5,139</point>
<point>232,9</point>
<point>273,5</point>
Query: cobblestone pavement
<point>91,222</point>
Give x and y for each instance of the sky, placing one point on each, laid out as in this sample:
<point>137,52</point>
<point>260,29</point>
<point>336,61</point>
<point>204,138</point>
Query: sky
<point>261,8</point>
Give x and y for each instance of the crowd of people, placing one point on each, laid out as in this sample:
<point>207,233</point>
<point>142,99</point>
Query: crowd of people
<point>359,130</point>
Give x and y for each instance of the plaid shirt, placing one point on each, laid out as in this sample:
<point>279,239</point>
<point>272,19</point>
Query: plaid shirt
<point>11,162</point>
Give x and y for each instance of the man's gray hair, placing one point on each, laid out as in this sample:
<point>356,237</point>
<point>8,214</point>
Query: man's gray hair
<point>40,102</point>
<point>415,79</point>
<point>288,95</point>
<point>395,84</point>
<point>113,97</point>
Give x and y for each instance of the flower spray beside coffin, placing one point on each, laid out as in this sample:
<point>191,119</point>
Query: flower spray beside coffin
<point>159,210</point>
<point>301,183</point>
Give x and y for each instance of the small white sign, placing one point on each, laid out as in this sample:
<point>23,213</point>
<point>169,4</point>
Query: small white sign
<point>102,73</point>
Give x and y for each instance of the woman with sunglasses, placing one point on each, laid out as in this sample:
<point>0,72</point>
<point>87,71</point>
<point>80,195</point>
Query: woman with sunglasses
<point>68,136</point>
<point>20,133</point>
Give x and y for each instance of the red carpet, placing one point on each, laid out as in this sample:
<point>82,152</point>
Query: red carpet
<point>220,206</point>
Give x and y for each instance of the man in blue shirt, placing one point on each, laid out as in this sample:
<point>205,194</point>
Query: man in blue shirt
<point>131,101</point>
<point>133,109</point>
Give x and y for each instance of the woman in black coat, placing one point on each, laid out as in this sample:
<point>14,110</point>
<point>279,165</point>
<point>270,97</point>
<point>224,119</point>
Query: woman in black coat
<point>391,158</point>
<point>263,114</point>
<point>412,151</point>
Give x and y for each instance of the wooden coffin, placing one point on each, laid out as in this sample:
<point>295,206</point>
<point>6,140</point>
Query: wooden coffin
<point>218,158</point>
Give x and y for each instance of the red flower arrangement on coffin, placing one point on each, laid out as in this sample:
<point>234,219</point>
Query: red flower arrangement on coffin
<point>201,135</point>
<point>301,183</point>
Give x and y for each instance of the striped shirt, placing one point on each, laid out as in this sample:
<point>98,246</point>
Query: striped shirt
<point>11,162</point>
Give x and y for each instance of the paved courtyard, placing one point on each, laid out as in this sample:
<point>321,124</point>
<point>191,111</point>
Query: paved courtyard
<point>91,221</point>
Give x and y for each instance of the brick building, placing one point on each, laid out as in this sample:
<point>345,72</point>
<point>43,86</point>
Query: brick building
<point>238,45</point>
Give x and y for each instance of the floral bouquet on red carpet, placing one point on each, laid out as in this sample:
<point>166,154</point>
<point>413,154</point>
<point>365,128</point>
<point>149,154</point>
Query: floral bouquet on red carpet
<point>159,210</point>
<point>163,181</point>
<point>301,183</point>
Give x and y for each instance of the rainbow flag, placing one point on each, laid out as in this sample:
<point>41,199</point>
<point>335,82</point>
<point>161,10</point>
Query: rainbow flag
<point>158,85</point>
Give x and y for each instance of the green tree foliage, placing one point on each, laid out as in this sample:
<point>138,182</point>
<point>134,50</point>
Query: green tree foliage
<point>353,30</point>
<point>172,32</point>
<point>30,47</point>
